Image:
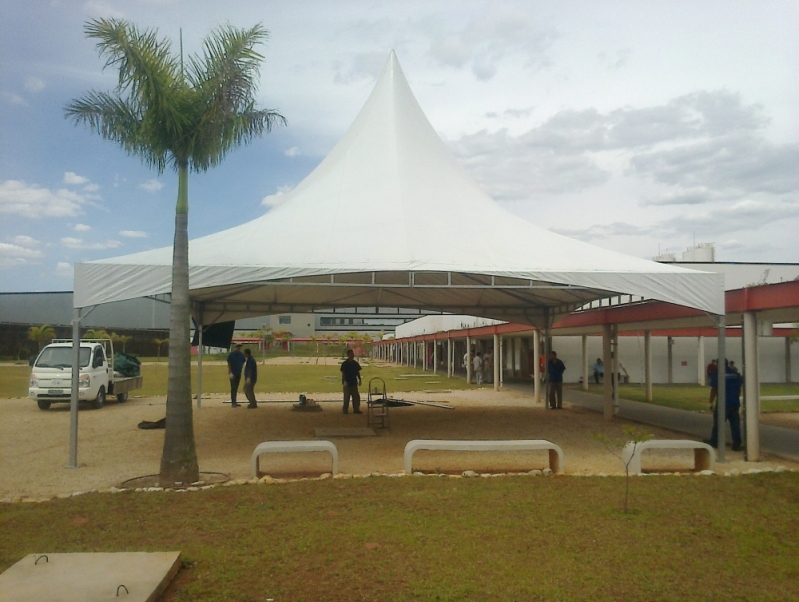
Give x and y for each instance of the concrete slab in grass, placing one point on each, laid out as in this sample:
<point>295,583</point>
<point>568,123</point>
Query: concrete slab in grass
<point>344,432</point>
<point>129,576</point>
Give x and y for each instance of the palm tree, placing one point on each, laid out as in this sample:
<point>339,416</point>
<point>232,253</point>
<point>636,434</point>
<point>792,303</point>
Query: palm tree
<point>160,343</point>
<point>97,333</point>
<point>187,118</point>
<point>41,334</point>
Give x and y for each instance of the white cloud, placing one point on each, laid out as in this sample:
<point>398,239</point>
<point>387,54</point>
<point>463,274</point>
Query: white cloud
<point>292,152</point>
<point>34,84</point>
<point>82,228</point>
<point>71,177</point>
<point>99,8</point>
<point>151,185</point>
<point>14,99</point>
<point>133,234</point>
<point>25,241</point>
<point>78,243</point>
<point>14,255</point>
<point>273,200</point>
<point>32,201</point>
<point>64,269</point>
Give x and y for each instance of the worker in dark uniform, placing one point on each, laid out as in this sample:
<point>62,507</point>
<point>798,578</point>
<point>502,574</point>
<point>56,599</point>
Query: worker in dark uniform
<point>350,379</point>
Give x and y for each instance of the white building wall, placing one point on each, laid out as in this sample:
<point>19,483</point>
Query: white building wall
<point>685,354</point>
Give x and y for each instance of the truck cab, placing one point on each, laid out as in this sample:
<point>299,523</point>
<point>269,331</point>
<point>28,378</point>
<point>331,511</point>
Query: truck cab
<point>51,376</point>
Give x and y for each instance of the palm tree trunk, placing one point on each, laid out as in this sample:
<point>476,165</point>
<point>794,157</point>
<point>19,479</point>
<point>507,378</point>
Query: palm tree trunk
<point>179,458</point>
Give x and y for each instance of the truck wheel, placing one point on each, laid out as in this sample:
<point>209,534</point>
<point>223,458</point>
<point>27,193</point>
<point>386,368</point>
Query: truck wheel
<point>99,401</point>
<point>43,404</point>
<point>122,397</point>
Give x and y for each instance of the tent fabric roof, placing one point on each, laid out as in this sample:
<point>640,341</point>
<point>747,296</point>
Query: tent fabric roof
<point>390,219</point>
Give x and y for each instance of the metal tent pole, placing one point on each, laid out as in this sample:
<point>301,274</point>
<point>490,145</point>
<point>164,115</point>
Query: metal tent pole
<point>73,405</point>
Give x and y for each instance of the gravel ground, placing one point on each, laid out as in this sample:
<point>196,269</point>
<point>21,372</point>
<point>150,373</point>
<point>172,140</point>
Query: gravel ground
<point>34,447</point>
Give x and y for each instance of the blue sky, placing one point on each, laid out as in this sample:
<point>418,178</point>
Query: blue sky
<point>640,127</point>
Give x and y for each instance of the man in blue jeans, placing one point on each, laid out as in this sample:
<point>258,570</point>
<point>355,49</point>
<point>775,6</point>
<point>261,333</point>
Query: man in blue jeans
<point>235,364</point>
<point>555,369</point>
<point>732,404</point>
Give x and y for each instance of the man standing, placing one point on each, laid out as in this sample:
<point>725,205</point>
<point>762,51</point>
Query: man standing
<point>599,370</point>
<point>555,368</point>
<point>235,362</point>
<point>250,378</point>
<point>732,404</point>
<point>350,379</point>
<point>477,368</point>
<point>712,373</point>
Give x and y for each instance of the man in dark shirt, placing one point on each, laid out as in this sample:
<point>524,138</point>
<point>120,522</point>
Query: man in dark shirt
<point>350,379</point>
<point>555,369</point>
<point>250,378</point>
<point>235,363</point>
<point>732,404</point>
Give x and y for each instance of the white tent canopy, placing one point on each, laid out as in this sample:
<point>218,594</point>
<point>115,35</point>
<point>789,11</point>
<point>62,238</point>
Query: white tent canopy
<point>390,219</point>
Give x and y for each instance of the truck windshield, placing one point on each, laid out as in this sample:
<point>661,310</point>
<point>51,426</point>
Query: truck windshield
<point>61,357</point>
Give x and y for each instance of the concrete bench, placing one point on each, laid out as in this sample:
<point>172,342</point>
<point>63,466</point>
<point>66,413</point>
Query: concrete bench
<point>555,452</point>
<point>290,447</point>
<point>704,455</point>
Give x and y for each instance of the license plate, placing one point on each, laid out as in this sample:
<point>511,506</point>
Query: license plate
<point>55,392</point>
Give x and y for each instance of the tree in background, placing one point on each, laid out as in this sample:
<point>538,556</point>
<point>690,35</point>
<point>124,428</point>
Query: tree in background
<point>186,116</point>
<point>121,339</point>
<point>41,334</point>
<point>282,336</point>
<point>160,343</point>
<point>97,333</point>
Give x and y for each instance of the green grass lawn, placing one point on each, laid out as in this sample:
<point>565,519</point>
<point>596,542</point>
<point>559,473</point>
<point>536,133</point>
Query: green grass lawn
<point>271,379</point>
<point>695,398</point>
<point>515,538</point>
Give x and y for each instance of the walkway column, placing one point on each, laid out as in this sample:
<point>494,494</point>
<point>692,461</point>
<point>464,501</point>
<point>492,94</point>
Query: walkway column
<point>585,362</point>
<point>700,360</point>
<point>496,362</point>
<point>648,364</point>
<point>468,357</point>
<point>435,357</point>
<point>200,365</point>
<point>75,392</point>
<point>536,366</point>
<point>721,449</point>
<point>752,384</point>
<point>607,389</point>
<point>449,357</point>
<point>670,360</point>
<point>788,360</point>
<point>614,344</point>
<point>499,357</point>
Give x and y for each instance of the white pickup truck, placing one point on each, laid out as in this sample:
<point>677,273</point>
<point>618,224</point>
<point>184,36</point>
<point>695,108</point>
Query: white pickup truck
<point>51,377</point>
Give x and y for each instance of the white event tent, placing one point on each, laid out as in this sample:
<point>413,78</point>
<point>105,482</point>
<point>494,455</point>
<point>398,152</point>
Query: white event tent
<point>390,219</point>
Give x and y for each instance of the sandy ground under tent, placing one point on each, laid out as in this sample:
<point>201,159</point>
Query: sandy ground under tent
<point>34,446</point>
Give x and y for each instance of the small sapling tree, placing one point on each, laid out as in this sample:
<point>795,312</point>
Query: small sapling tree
<point>634,436</point>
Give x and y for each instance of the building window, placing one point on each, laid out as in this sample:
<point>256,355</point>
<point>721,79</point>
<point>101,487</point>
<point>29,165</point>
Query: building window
<point>284,320</point>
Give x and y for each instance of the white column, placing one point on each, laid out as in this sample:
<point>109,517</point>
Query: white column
<point>648,364</point>
<point>468,359</point>
<point>585,363</point>
<point>752,384</point>
<point>500,358</point>
<point>435,357</point>
<point>200,367</point>
<point>608,388</point>
<point>73,405</point>
<point>721,449</point>
<point>536,367</point>
<point>787,359</point>
<point>449,357</point>
<point>615,346</point>
<point>670,358</point>
<point>700,360</point>
<point>496,363</point>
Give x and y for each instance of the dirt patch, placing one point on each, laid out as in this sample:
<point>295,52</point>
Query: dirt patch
<point>788,420</point>
<point>34,449</point>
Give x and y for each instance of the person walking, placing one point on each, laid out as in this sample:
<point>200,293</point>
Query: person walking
<point>350,379</point>
<point>712,372</point>
<point>477,368</point>
<point>488,367</point>
<point>599,370</point>
<point>235,363</point>
<point>250,378</point>
<point>732,404</point>
<point>555,369</point>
